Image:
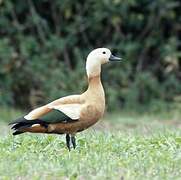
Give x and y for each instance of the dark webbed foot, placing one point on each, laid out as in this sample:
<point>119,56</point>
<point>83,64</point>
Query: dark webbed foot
<point>73,141</point>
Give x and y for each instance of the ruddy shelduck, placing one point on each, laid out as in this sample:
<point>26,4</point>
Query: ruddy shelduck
<point>71,114</point>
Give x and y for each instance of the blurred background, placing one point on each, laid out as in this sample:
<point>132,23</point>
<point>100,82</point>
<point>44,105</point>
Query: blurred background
<point>44,44</point>
<point>43,49</point>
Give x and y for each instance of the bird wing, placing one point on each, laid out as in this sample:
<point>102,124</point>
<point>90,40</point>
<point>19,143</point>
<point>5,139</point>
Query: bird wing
<point>71,110</point>
<point>41,124</point>
<point>69,105</point>
<point>72,99</point>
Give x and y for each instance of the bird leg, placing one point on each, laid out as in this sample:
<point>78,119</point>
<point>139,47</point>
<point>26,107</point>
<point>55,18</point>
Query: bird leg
<point>73,140</point>
<point>68,141</point>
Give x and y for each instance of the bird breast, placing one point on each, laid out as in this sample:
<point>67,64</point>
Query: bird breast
<point>92,112</point>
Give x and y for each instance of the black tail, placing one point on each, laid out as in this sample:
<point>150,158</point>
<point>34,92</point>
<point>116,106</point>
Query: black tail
<point>22,123</point>
<point>17,132</point>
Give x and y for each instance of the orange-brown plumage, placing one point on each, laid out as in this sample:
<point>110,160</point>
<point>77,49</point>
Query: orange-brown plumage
<point>93,105</point>
<point>80,111</point>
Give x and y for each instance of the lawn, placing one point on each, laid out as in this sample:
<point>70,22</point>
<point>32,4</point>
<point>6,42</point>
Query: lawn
<point>121,146</point>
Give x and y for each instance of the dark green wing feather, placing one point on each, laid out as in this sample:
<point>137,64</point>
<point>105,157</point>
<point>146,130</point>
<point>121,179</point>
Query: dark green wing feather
<point>56,116</point>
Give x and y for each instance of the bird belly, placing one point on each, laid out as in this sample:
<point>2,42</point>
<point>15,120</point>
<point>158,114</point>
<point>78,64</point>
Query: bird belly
<point>70,128</point>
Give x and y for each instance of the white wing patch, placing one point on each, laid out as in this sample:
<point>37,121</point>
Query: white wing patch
<point>35,125</point>
<point>71,110</point>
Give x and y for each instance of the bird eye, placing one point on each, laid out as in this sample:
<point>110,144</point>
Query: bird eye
<point>103,52</point>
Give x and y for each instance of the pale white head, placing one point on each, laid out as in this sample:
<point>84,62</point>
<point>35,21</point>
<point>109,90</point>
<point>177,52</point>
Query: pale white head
<point>96,58</point>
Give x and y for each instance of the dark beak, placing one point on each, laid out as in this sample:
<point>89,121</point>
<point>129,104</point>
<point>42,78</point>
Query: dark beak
<point>114,58</point>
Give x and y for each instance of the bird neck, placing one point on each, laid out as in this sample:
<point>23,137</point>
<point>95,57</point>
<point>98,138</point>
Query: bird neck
<point>93,68</point>
<point>95,84</point>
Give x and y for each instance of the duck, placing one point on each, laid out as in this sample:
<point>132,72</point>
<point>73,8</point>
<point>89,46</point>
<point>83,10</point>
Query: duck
<point>71,114</point>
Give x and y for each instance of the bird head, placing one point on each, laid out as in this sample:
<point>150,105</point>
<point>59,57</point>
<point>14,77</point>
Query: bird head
<point>96,58</point>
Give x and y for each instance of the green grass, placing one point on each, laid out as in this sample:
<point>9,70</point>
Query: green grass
<point>122,146</point>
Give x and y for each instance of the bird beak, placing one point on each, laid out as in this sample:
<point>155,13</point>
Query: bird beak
<point>114,58</point>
